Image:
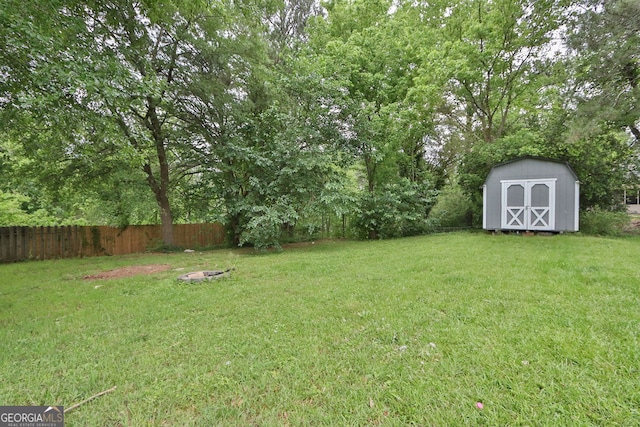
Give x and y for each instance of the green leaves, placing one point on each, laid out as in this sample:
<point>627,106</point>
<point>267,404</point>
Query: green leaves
<point>15,209</point>
<point>396,210</point>
<point>270,114</point>
<point>144,87</point>
<point>605,37</point>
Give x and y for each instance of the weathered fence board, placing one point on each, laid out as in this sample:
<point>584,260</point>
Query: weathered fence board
<point>23,243</point>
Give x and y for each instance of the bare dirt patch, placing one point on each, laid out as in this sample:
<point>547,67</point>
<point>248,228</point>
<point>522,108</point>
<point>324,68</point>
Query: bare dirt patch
<point>130,271</point>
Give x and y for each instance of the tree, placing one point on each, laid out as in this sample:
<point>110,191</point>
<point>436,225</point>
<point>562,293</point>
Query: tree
<point>287,26</point>
<point>482,71</point>
<point>20,202</point>
<point>605,42</point>
<point>138,86</point>
<point>280,159</point>
<point>362,47</point>
<point>494,56</point>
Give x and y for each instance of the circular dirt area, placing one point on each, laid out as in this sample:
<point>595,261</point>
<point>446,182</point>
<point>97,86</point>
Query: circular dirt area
<point>134,270</point>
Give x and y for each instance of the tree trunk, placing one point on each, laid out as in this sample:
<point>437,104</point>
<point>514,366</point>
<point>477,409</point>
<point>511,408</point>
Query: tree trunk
<point>160,189</point>
<point>166,219</point>
<point>636,133</point>
<point>233,229</point>
<point>162,199</point>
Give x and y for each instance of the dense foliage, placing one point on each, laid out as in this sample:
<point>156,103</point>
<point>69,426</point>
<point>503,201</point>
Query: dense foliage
<point>290,118</point>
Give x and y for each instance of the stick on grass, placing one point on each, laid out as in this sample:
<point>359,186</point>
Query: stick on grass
<point>71,408</point>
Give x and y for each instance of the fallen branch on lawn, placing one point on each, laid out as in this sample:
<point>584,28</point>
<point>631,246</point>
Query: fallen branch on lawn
<point>71,408</point>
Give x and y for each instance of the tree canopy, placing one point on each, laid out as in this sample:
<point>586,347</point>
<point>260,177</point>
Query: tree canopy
<point>345,116</point>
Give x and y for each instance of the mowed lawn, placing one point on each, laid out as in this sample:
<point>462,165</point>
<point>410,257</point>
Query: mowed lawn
<point>441,330</point>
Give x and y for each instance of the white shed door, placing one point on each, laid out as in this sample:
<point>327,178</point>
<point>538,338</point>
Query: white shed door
<point>528,204</point>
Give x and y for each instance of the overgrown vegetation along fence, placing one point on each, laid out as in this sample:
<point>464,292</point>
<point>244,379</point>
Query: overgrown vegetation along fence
<point>23,243</point>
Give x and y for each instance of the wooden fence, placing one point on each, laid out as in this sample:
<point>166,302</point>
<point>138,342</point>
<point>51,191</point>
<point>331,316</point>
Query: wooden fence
<point>23,243</point>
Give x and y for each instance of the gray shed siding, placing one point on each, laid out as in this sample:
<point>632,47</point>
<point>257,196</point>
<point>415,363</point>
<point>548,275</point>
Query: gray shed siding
<point>565,203</point>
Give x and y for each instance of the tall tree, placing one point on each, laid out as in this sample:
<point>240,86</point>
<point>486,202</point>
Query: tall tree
<point>280,154</point>
<point>139,82</point>
<point>287,25</point>
<point>492,60</point>
<point>605,39</point>
<point>362,47</point>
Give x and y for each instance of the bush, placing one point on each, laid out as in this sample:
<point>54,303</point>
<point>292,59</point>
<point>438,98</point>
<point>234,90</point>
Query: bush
<point>601,222</point>
<point>396,210</point>
<point>452,208</point>
<point>264,228</point>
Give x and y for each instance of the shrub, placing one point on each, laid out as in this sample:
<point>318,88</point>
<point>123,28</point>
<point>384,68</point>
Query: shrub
<point>264,228</point>
<point>395,210</point>
<point>603,222</point>
<point>452,208</point>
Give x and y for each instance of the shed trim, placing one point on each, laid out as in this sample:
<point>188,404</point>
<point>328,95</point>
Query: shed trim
<point>576,210</point>
<point>513,181</point>
<point>484,206</point>
<point>524,215</point>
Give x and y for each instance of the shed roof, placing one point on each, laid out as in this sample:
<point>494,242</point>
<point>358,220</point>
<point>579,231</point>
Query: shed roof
<point>538,158</point>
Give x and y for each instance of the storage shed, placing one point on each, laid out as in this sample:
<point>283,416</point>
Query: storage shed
<point>531,194</point>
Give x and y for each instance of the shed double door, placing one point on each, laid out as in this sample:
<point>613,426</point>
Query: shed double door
<point>528,204</point>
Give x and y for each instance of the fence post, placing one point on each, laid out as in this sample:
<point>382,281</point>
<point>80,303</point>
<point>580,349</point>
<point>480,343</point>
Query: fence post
<point>82,236</point>
<point>19,243</point>
<point>72,242</point>
<point>3,244</point>
<point>12,244</point>
<point>29,240</point>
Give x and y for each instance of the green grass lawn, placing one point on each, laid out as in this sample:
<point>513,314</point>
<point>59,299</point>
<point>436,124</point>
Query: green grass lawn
<point>540,330</point>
